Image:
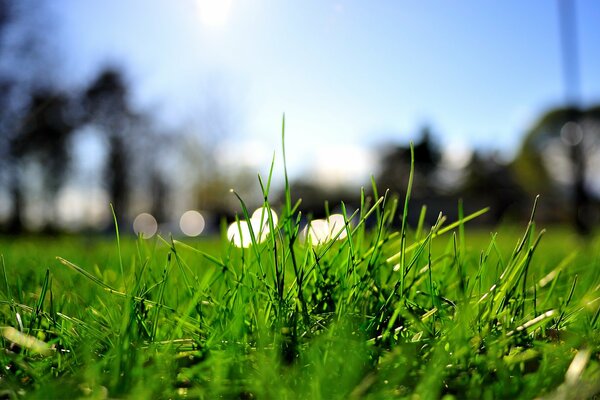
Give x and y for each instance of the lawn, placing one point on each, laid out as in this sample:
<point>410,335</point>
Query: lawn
<point>333,311</point>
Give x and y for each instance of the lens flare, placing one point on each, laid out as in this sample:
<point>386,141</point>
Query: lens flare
<point>145,225</point>
<point>320,231</point>
<point>192,223</point>
<point>317,232</point>
<point>337,224</point>
<point>571,133</point>
<point>261,215</point>
<point>239,234</point>
<point>214,13</point>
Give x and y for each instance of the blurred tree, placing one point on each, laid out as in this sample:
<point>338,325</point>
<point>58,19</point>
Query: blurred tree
<point>8,122</point>
<point>395,166</point>
<point>555,154</point>
<point>315,197</point>
<point>107,106</point>
<point>159,190</point>
<point>34,125</point>
<point>43,138</point>
<point>38,118</point>
<point>492,183</point>
<point>9,174</point>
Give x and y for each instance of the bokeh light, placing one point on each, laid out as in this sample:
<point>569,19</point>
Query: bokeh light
<point>337,224</point>
<point>145,225</point>
<point>320,231</point>
<point>571,133</point>
<point>192,223</point>
<point>260,220</point>
<point>239,233</point>
<point>317,232</point>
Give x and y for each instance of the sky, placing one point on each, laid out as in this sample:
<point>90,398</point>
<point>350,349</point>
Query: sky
<point>350,76</point>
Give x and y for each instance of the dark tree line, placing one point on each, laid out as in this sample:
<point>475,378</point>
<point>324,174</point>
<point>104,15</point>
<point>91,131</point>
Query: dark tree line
<point>569,137</point>
<point>554,161</point>
<point>42,136</point>
<point>39,119</point>
<point>106,105</point>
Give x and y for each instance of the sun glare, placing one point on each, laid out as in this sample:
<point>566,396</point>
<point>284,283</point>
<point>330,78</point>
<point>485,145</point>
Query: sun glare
<point>214,13</point>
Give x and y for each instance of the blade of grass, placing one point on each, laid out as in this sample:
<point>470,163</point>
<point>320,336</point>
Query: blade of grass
<point>118,236</point>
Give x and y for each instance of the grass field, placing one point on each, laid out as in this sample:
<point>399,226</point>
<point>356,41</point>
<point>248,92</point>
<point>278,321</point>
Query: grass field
<point>419,312</point>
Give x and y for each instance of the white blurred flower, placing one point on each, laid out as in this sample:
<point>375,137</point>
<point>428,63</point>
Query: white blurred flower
<point>239,232</point>
<point>337,224</point>
<point>320,231</point>
<point>260,218</point>
<point>317,232</point>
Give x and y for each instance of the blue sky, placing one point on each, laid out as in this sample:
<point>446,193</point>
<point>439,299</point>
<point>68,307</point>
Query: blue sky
<point>349,75</point>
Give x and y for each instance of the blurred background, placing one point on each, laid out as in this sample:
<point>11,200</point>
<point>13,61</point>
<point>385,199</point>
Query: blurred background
<point>160,107</point>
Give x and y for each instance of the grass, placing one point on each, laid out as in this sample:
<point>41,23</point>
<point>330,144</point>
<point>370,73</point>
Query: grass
<point>423,312</point>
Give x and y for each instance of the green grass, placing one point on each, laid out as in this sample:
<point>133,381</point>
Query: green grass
<point>423,312</point>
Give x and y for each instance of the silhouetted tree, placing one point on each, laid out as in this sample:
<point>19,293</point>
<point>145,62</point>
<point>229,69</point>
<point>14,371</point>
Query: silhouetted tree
<point>315,197</point>
<point>427,155</point>
<point>564,136</point>
<point>159,191</point>
<point>492,183</point>
<point>108,108</point>
<point>9,172</point>
<point>43,138</point>
<point>33,124</point>
<point>395,166</point>
<point>7,121</point>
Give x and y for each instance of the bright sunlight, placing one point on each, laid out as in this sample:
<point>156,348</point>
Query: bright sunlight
<point>214,13</point>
